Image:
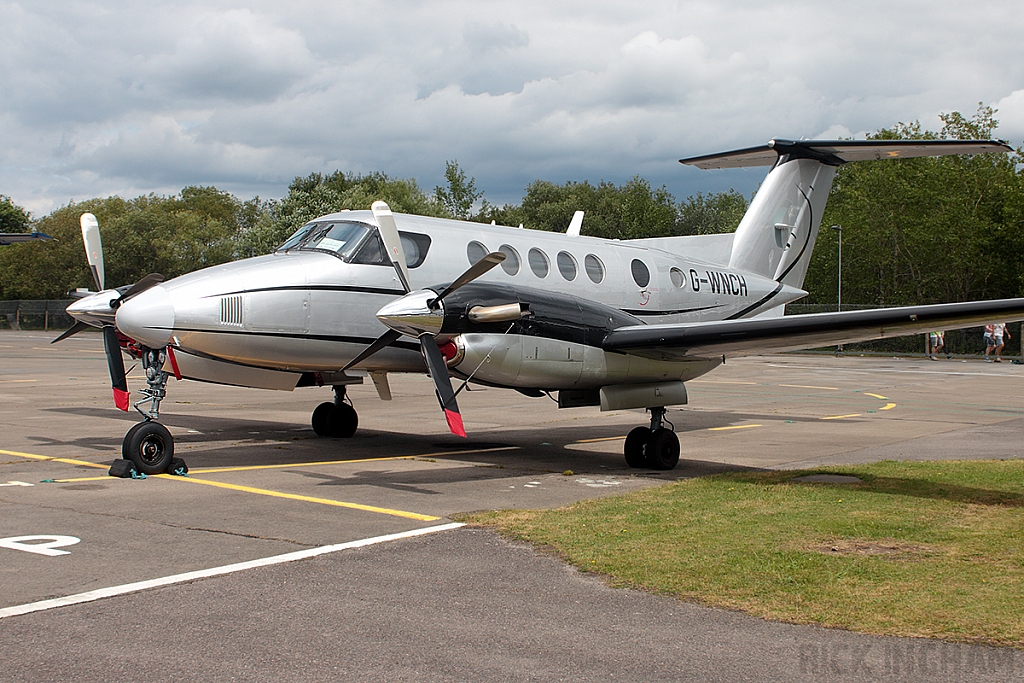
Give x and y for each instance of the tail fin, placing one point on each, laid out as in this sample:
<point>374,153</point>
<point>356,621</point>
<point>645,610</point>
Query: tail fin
<point>777,234</point>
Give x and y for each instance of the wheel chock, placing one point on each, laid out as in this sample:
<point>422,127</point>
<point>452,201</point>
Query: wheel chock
<point>122,468</point>
<point>177,467</point>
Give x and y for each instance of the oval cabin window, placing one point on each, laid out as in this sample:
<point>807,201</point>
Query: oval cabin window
<point>539,263</point>
<point>595,269</point>
<point>566,265</point>
<point>641,276</point>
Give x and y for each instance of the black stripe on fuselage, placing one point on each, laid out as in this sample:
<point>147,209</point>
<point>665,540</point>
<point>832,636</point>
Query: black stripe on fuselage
<point>768,297</point>
<point>641,312</point>
<point>411,346</point>
<point>312,288</point>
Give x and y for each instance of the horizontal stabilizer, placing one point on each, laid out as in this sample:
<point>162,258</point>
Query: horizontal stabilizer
<point>839,152</point>
<point>754,336</point>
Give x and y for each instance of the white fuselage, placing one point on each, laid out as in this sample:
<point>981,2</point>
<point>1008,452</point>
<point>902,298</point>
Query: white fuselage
<point>309,311</point>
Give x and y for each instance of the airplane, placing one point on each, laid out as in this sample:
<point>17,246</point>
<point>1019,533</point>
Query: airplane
<point>7,238</point>
<point>598,322</point>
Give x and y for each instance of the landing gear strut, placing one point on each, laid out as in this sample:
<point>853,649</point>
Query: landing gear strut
<point>338,419</point>
<point>148,444</point>
<point>655,447</point>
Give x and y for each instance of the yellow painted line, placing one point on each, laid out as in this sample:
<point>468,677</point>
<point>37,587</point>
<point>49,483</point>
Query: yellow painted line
<point>840,417</point>
<point>246,468</point>
<point>807,386</point>
<point>715,381</point>
<point>16,381</point>
<point>308,499</point>
<point>603,438</point>
<point>888,406</point>
<point>722,429</point>
<point>69,461</point>
<point>883,398</point>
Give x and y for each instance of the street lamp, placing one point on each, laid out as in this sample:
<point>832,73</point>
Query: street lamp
<point>839,229</point>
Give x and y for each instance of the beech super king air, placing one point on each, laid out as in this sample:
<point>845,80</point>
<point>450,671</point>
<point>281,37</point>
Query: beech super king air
<point>616,324</point>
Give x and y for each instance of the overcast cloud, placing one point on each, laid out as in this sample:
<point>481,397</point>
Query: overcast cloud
<point>100,98</point>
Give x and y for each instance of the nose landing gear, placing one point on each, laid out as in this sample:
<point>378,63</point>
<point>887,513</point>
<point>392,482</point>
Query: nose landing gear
<point>655,447</point>
<point>149,445</point>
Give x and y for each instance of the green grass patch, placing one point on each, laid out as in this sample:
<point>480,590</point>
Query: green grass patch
<point>930,549</point>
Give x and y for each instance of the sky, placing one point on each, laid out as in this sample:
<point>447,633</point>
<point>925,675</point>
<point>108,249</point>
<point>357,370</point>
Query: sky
<point>127,98</point>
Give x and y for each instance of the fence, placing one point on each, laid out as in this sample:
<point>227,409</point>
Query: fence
<point>47,315</point>
<point>35,315</point>
<point>966,342</point>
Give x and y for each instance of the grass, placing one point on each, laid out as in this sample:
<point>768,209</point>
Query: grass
<point>931,549</point>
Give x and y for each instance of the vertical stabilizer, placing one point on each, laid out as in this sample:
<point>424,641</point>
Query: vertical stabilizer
<point>777,234</point>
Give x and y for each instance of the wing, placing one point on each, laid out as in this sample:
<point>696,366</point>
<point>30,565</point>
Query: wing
<point>839,152</point>
<point>12,237</point>
<point>790,333</point>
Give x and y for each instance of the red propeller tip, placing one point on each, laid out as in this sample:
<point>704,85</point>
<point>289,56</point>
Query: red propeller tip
<point>121,399</point>
<point>455,422</point>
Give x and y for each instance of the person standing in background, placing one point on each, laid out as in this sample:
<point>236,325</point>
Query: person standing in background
<point>999,334</point>
<point>937,341</point>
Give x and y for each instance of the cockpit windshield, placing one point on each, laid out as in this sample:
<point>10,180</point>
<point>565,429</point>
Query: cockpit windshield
<point>339,237</point>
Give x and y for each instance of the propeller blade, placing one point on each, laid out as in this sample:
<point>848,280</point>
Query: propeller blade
<point>472,273</point>
<point>75,329</point>
<point>138,288</point>
<point>93,248</point>
<point>381,341</point>
<point>442,383</point>
<point>392,242</point>
<point>115,363</point>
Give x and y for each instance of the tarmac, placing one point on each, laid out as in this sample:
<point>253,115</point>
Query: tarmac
<point>283,556</point>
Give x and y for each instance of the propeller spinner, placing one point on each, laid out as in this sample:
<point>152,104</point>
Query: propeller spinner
<point>420,314</point>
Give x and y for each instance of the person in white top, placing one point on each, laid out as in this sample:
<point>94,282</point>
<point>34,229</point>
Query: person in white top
<point>995,334</point>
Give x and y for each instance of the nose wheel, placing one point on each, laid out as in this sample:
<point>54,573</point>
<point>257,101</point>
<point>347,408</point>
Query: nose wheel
<point>655,447</point>
<point>149,446</point>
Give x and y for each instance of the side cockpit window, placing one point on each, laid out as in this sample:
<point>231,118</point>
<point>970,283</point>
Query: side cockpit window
<point>356,243</point>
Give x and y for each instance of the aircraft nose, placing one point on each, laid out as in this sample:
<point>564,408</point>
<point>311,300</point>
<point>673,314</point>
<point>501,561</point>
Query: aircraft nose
<point>148,318</point>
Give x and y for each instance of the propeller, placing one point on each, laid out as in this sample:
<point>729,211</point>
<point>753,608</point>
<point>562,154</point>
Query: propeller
<point>138,288</point>
<point>419,314</point>
<point>115,363</point>
<point>93,248</point>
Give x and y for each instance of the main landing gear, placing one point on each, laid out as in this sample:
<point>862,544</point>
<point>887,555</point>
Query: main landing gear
<point>655,447</point>
<point>148,444</point>
<point>338,419</point>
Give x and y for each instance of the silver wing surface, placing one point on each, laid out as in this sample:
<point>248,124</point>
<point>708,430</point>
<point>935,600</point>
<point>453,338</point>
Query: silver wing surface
<point>791,333</point>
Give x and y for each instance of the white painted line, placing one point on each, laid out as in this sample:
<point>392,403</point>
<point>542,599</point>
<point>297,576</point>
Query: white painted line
<point>101,593</point>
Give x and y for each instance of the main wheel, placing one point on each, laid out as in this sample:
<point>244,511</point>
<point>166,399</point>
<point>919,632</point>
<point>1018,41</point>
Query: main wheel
<point>636,442</point>
<point>320,419</point>
<point>150,446</point>
<point>342,421</point>
<point>662,450</point>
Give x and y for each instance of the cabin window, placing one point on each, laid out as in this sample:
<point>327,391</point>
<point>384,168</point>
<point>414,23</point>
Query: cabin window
<point>641,275</point>
<point>511,263</point>
<point>566,265</point>
<point>415,247</point>
<point>475,251</point>
<point>595,269</point>
<point>678,279</point>
<point>372,253</point>
<point>539,263</point>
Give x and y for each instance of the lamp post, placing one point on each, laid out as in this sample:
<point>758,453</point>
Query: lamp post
<point>839,229</point>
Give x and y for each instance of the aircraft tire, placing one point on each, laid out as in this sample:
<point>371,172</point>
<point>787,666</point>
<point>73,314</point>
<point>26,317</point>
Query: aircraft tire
<point>342,421</point>
<point>149,446</point>
<point>634,449</point>
<point>662,450</point>
<point>320,419</point>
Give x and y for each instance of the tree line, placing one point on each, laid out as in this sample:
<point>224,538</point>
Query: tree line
<point>914,230</point>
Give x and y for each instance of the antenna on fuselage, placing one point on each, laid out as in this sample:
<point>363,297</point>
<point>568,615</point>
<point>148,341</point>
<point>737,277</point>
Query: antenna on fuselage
<point>575,224</point>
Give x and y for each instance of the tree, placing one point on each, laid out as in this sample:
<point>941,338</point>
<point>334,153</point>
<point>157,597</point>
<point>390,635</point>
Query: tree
<point>926,230</point>
<point>707,214</point>
<point>13,218</point>
<point>460,196</point>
